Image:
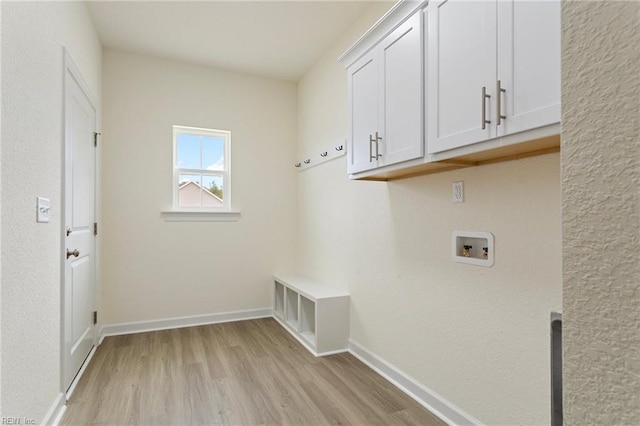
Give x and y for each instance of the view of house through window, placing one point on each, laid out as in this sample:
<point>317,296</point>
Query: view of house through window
<point>201,168</point>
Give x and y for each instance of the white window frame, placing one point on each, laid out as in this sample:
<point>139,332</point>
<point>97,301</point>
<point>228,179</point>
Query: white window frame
<point>223,213</point>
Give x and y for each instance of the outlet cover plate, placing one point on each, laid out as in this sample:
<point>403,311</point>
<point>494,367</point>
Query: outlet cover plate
<point>457,192</point>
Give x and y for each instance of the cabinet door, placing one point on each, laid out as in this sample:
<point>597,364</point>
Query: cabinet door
<point>362,82</point>
<point>529,64</point>
<point>461,60</point>
<point>401,93</point>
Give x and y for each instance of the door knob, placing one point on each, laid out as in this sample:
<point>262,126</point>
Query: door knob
<point>75,253</point>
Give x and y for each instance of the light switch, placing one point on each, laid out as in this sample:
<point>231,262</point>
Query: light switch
<point>42,210</point>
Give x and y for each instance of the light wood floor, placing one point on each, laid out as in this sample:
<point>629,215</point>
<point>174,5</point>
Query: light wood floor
<point>241,373</point>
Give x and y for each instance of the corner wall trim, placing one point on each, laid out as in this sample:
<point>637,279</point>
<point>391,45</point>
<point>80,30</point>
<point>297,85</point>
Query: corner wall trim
<point>180,322</point>
<point>54,415</point>
<point>416,390</point>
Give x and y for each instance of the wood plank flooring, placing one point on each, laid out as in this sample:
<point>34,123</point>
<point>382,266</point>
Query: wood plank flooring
<point>239,373</point>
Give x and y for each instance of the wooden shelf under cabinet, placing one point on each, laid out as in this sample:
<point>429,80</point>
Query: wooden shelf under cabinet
<point>461,159</point>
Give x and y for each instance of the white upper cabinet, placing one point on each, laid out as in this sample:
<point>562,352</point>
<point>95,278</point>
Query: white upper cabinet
<point>453,83</point>
<point>401,93</point>
<point>385,97</point>
<point>461,61</point>
<point>363,113</point>
<point>493,69</point>
<point>529,64</point>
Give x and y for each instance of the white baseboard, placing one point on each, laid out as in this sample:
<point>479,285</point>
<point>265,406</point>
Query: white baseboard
<point>54,415</point>
<point>180,322</point>
<point>416,390</point>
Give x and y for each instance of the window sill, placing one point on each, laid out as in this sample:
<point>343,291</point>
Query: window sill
<point>200,216</point>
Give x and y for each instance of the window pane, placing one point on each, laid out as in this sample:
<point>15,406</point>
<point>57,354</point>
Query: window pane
<point>201,163</point>
<point>213,194</point>
<point>188,151</point>
<point>213,153</point>
<point>189,191</point>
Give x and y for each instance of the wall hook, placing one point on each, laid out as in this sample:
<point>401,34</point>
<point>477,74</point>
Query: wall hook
<point>298,164</point>
<point>339,148</point>
<point>324,154</point>
<point>307,161</point>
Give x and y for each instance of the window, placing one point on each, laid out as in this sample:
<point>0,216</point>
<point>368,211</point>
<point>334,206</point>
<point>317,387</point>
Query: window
<point>201,169</point>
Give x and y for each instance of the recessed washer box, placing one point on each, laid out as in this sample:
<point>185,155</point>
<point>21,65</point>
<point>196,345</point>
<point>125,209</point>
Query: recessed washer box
<point>475,248</point>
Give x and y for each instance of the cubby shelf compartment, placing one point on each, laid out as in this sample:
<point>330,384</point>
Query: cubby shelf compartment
<point>317,315</point>
<point>291,312</point>
<point>278,300</point>
<point>308,319</point>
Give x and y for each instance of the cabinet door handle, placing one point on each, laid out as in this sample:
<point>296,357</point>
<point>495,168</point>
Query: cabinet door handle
<point>378,139</point>
<point>499,92</point>
<point>371,140</point>
<point>484,107</point>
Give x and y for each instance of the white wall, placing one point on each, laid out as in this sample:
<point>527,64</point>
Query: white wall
<point>153,269</point>
<point>33,35</point>
<point>477,336</point>
<point>601,212</point>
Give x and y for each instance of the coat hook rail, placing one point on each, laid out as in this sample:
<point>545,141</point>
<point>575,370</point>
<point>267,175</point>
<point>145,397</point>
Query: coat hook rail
<point>321,156</point>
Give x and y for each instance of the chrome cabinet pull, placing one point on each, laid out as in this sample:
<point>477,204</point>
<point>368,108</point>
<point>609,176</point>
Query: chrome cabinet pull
<point>371,140</point>
<point>499,92</point>
<point>484,107</point>
<point>75,253</point>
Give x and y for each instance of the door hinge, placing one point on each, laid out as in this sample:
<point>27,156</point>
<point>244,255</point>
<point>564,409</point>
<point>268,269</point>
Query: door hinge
<point>95,317</point>
<point>95,138</point>
<point>95,228</point>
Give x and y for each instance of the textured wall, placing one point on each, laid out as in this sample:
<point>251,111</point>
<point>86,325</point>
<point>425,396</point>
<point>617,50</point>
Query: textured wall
<point>153,269</point>
<point>601,212</point>
<point>32,73</point>
<point>477,336</point>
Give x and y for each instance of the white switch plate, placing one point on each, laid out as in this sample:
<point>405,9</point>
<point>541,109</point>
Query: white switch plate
<point>42,210</point>
<point>457,192</point>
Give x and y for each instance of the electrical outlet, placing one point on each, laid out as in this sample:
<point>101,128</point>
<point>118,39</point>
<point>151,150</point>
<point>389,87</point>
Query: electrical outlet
<point>457,192</point>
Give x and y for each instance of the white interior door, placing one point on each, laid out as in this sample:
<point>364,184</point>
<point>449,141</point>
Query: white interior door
<point>79,297</point>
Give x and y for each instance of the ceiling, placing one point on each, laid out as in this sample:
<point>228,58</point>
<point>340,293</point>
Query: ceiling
<point>280,39</point>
